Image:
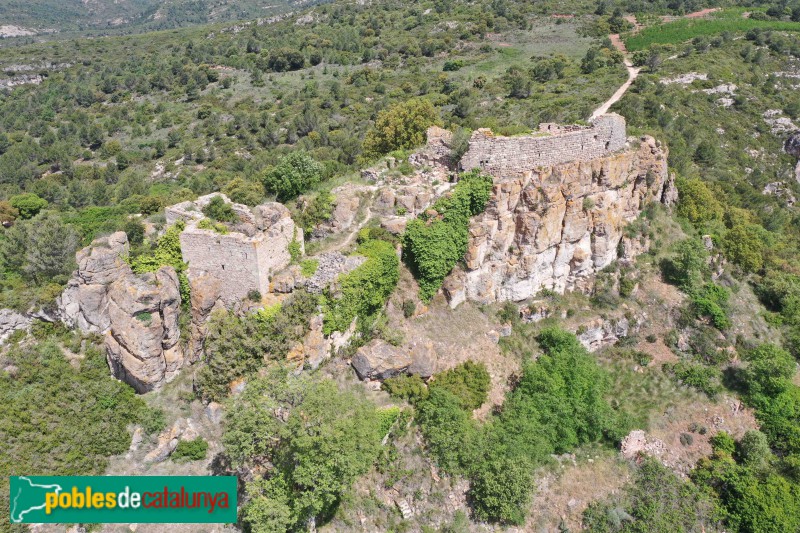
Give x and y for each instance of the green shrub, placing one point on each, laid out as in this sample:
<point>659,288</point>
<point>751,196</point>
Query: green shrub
<point>167,252</point>
<point>722,442</point>
<point>220,211</point>
<point>364,291</point>
<point>28,204</point>
<point>308,267</point>
<point>217,227</point>
<point>433,246</point>
<point>409,308</point>
<point>294,174</point>
<point>295,251</point>
<point>702,378</point>
<point>406,387</point>
<point>453,65</point>
<point>254,295</point>
<point>712,301</point>
<point>190,450</point>
<point>501,489</point>
<point>469,382</point>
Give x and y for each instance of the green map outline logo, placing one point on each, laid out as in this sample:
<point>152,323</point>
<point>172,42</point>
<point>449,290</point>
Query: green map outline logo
<point>123,499</point>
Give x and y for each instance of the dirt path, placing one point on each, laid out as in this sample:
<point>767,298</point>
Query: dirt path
<point>633,73</point>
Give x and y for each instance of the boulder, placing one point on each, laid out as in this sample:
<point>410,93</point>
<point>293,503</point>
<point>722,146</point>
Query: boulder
<point>380,360</point>
<point>792,144</point>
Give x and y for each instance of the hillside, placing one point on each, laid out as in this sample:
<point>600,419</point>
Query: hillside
<point>397,266</point>
<point>47,18</point>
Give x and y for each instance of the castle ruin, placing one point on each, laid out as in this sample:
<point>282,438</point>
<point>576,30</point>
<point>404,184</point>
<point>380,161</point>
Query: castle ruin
<point>552,145</point>
<point>243,259</point>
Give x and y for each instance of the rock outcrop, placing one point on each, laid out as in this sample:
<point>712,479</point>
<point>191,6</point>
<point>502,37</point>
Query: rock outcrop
<point>11,321</point>
<point>554,227</point>
<point>137,313</point>
<point>792,147</point>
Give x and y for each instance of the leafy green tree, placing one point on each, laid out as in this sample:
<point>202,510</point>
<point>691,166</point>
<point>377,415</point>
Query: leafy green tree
<point>295,174</point>
<point>329,439</point>
<point>697,202</point>
<point>743,244</point>
<point>689,266</point>
<point>28,204</point>
<point>769,371</point>
<point>448,430</point>
<point>244,191</point>
<point>754,450</point>
<point>501,489</point>
<point>401,126</point>
<point>220,211</point>
<point>42,249</point>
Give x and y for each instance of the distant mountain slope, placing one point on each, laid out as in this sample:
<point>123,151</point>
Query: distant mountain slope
<point>26,17</point>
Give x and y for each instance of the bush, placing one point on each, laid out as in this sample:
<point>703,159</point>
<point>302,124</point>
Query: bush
<point>712,301</point>
<point>254,295</point>
<point>409,308</point>
<point>364,291</point>
<point>220,211</point>
<point>469,382</point>
<point>702,378</point>
<point>190,450</point>
<point>134,229</point>
<point>244,191</point>
<point>433,246</point>
<point>167,252</point>
<point>697,202</point>
<point>308,267</point>
<point>448,430</point>
<point>406,387</point>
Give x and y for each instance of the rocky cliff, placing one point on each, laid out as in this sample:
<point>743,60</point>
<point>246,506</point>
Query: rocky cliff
<point>554,227</point>
<point>137,313</point>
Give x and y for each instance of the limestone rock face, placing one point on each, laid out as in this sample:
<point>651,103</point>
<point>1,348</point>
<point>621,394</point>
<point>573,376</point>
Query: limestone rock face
<point>380,360</point>
<point>554,227</point>
<point>137,313</point>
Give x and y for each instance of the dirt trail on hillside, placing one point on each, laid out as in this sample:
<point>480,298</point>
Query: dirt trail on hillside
<point>633,73</point>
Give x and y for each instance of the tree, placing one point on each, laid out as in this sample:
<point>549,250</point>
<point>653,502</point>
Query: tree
<point>244,191</point>
<point>770,371</point>
<point>28,204</point>
<point>41,249</point>
<point>401,126</point>
<point>743,244</point>
<point>295,174</point>
<point>697,202</point>
<point>501,489</point>
<point>688,267</point>
<point>330,438</point>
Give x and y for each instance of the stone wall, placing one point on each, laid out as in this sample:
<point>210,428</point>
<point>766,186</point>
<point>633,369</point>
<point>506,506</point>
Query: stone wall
<point>555,227</point>
<point>552,145</point>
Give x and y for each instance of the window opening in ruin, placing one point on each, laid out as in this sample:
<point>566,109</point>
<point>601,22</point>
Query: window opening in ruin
<point>608,143</point>
<point>223,267</point>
